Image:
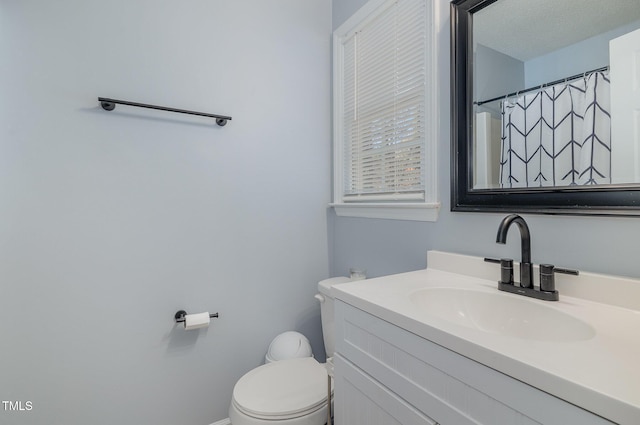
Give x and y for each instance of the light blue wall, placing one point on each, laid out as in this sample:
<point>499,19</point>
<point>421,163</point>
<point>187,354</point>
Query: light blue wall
<point>496,74</point>
<point>577,58</point>
<point>607,245</point>
<point>112,221</point>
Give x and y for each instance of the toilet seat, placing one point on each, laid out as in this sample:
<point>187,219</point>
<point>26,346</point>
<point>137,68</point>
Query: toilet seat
<point>282,390</point>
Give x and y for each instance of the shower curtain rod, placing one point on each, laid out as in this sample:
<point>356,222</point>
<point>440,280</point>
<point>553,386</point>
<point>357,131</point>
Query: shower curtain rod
<point>552,83</point>
<point>110,104</point>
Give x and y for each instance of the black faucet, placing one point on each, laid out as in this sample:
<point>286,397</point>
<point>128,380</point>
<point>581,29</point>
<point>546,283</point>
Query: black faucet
<point>526,268</point>
<point>546,291</point>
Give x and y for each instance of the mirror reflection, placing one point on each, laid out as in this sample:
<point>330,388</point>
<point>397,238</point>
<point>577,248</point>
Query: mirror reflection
<point>556,93</point>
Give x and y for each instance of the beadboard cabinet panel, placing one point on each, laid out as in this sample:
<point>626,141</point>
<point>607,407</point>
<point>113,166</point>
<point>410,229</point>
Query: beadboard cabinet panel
<point>364,401</point>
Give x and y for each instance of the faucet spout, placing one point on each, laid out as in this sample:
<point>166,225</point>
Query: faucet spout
<point>526,268</point>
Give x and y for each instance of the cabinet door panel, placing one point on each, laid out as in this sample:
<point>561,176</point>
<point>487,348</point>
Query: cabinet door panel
<point>360,400</point>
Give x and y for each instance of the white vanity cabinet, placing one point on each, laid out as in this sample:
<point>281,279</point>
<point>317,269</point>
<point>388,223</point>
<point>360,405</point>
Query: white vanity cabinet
<point>385,375</point>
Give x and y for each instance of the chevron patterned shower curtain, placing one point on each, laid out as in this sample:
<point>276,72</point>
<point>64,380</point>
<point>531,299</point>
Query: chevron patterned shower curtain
<point>558,136</point>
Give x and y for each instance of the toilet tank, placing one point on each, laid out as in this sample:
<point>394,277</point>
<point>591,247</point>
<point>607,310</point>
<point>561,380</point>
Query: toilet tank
<point>326,311</point>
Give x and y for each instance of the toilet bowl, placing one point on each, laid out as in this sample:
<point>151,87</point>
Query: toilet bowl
<point>290,391</point>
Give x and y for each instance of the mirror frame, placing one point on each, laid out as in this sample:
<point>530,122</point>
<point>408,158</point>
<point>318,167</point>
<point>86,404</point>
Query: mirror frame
<point>596,200</point>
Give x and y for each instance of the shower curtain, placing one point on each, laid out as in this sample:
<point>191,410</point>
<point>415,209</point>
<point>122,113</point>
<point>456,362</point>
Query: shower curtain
<point>558,136</point>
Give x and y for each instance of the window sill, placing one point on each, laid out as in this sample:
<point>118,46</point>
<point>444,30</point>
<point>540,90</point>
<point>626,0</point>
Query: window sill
<point>408,211</point>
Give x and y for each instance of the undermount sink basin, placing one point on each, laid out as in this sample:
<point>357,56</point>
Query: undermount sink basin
<point>500,313</point>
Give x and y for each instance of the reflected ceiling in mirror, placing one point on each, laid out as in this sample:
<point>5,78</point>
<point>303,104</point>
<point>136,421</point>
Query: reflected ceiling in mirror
<point>551,94</point>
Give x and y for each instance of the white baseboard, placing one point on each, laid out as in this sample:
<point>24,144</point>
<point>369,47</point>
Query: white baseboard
<point>222,422</point>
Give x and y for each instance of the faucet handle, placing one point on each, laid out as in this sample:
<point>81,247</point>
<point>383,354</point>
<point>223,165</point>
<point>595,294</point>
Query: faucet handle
<point>566,271</point>
<point>547,278</point>
<point>506,271</point>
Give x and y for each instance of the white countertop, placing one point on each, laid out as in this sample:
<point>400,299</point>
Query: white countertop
<point>600,374</point>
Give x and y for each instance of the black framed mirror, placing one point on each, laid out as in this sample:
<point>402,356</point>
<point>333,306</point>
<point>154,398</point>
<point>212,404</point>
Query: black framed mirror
<point>490,99</point>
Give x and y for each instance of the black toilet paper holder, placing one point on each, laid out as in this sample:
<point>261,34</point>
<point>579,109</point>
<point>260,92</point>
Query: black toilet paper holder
<point>181,314</point>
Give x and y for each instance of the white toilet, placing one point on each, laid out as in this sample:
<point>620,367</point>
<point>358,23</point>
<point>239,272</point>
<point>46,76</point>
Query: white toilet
<point>292,391</point>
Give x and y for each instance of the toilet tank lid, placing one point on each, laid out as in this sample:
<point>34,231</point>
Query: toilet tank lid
<point>324,286</point>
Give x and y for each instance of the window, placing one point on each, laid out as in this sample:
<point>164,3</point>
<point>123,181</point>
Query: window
<point>385,112</point>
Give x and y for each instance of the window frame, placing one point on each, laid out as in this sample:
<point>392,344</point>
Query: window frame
<point>397,208</point>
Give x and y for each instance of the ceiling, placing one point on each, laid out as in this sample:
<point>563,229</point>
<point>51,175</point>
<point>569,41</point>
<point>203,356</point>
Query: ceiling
<point>525,29</point>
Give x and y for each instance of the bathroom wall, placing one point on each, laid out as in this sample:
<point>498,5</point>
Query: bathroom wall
<point>496,74</point>
<point>597,244</point>
<point>110,222</point>
<point>575,59</point>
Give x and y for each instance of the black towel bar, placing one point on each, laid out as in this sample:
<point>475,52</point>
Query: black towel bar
<point>110,104</point>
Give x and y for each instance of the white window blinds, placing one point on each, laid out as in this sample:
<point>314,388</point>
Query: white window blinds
<point>384,92</point>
